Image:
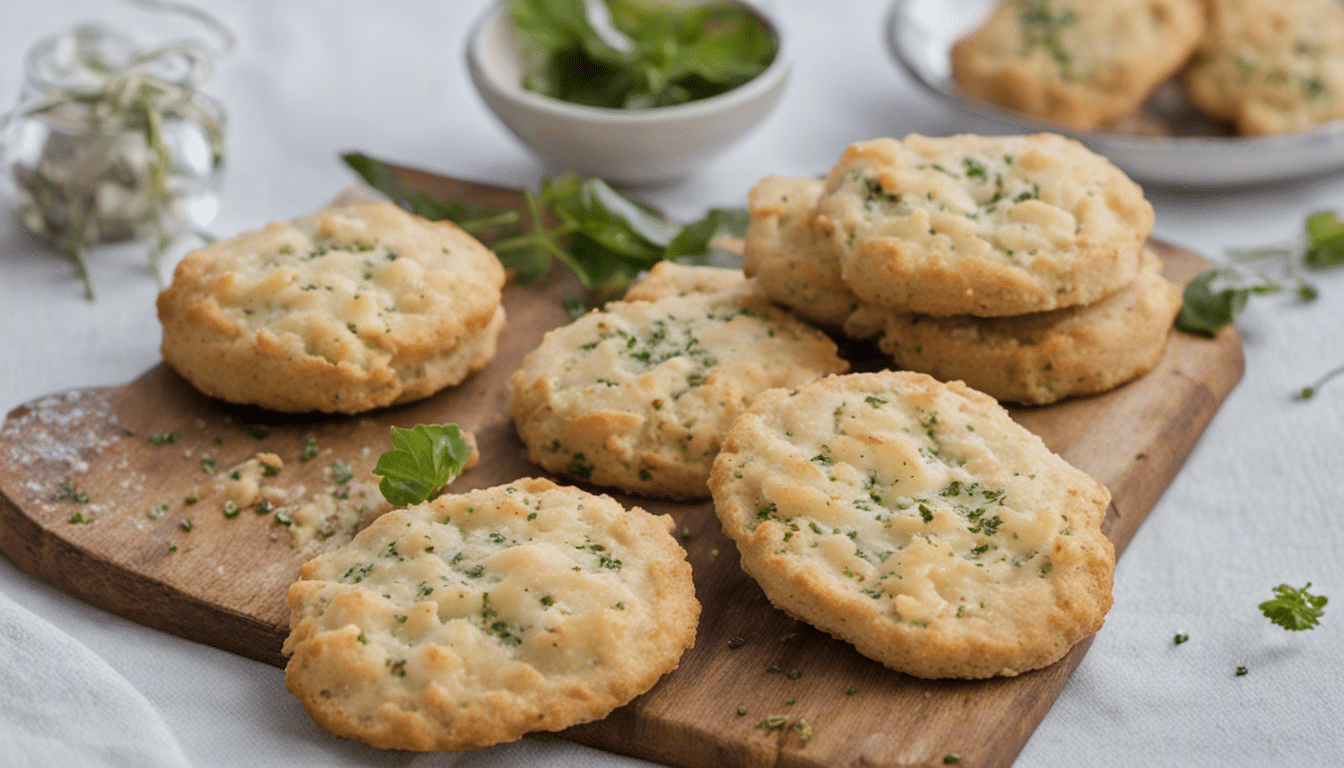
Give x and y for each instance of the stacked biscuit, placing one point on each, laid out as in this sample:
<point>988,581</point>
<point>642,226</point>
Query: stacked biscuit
<point>1266,66</point>
<point>349,310</point>
<point>1014,263</point>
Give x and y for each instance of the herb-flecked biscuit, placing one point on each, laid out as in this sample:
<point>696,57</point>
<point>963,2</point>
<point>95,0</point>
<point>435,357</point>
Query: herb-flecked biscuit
<point>1269,66</point>
<point>1044,357</point>
<point>983,225</point>
<point>479,617</point>
<point>667,279</point>
<point>349,310</point>
<point>1080,63</point>
<point>639,395</point>
<point>917,521</point>
<point>793,260</point>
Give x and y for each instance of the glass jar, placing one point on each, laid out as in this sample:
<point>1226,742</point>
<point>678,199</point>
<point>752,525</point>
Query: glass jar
<point>110,142</point>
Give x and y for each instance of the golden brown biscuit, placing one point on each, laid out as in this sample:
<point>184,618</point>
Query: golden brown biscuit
<point>917,521</point>
<point>479,617</point>
<point>1040,358</point>
<point>1079,63</point>
<point>640,394</point>
<point>667,279</point>
<point>983,225</point>
<point>790,256</point>
<point>1271,66</point>
<point>346,311</point>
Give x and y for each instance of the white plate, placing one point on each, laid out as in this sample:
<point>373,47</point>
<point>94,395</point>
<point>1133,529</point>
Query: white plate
<point>920,34</point>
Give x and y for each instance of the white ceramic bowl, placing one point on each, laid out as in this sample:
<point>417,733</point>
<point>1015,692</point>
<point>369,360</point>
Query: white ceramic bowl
<point>630,146</point>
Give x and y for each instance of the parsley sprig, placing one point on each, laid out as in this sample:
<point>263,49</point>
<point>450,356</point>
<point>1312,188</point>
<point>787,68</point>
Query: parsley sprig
<point>1217,296</point>
<point>605,237</point>
<point>424,459</point>
<point>1294,609</point>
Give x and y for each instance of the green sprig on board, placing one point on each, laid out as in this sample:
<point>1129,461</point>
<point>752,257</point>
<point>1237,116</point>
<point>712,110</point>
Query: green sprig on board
<point>675,53</point>
<point>605,237</point>
<point>424,459</point>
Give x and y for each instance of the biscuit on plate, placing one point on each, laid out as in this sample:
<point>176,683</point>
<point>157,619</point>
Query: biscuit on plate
<point>1271,66</point>
<point>477,618</point>
<point>1039,358</point>
<point>1080,63</point>
<point>351,309</point>
<point>917,521</point>
<point>983,225</point>
<point>639,395</point>
<point>792,259</point>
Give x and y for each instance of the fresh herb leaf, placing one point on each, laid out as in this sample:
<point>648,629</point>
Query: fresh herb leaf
<point>425,458</point>
<point>1325,240</point>
<point>1294,609</point>
<point>382,177</point>
<point>676,52</point>
<point>1217,296</point>
<point>694,245</point>
<point>606,238</point>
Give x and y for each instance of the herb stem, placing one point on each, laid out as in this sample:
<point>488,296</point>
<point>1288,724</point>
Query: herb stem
<point>1309,391</point>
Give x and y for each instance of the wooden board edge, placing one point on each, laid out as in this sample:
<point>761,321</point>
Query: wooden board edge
<point>59,564</point>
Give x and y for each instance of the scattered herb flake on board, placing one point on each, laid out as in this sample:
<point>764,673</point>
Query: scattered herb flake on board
<point>163,438</point>
<point>257,431</point>
<point>209,466</point>
<point>775,723</point>
<point>68,491</point>
<point>1294,609</point>
<point>735,643</point>
<point>79,518</point>
<point>741,710</point>
<point>1241,671</point>
<point>230,508</point>
<point>951,758</point>
<point>309,449</point>
<point>804,730</point>
<point>423,460</point>
<point>1182,638</point>
<point>341,473</point>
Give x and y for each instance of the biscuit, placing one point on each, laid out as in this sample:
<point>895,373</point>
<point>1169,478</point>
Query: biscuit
<point>480,617</point>
<point>349,310</point>
<point>667,279</point>
<point>917,521</point>
<point>983,225</point>
<point>1079,63</point>
<point>795,263</point>
<point>639,395</point>
<point>1271,67</point>
<point>1040,358</point>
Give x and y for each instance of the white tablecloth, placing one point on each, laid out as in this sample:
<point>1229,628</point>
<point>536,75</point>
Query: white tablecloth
<point>1257,504</point>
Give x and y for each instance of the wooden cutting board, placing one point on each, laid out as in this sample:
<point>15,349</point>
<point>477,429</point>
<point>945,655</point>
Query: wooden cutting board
<point>222,581</point>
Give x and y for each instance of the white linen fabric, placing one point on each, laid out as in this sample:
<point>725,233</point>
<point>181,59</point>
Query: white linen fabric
<point>63,705</point>
<point>1257,503</point>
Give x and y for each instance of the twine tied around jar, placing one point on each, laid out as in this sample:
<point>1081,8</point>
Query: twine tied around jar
<point>111,141</point>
